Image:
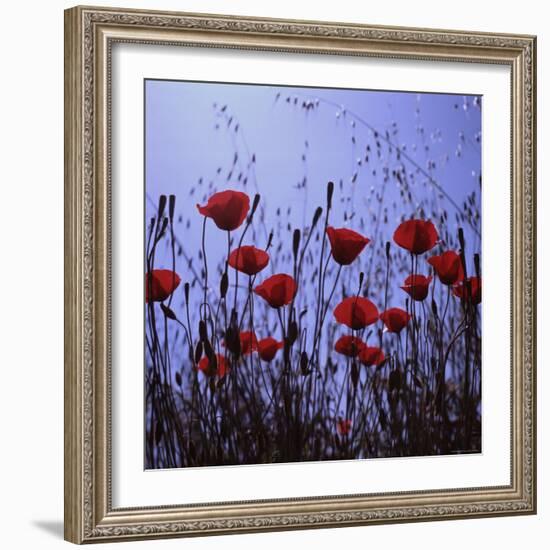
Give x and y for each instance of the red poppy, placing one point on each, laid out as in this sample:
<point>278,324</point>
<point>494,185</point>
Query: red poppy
<point>159,284</point>
<point>343,426</point>
<point>474,292</point>
<point>249,342</point>
<point>228,209</point>
<point>416,236</point>
<point>371,356</point>
<point>416,286</point>
<point>356,312</point>
<point>448,267</point>
<point>268,348</point>
<point>277,290</point>
<point>219,368</point>
<point>248,259</point>
<point>349,345</point>
<point>395,319</point>
<point>346,244</point>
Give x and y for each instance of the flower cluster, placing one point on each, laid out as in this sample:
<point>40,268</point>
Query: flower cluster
<point>357,312</point>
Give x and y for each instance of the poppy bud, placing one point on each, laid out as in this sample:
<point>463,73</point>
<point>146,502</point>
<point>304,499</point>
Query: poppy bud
<point>292,332</point>
<point>296,242</point>
<point>388,250</point>
<point>198,352</point>
<point>330,191</point>
<point>361,278</point>
<point>163,228</point>
<point>162,206</point>
<point>186,291</point>
<point>304,363</point>
<point>316,217</point>
<point>269,240</point>
<point>434,307</point>
<point>233,341</point>
<point>168,312</point>
<point>255,204</point>
<point>208,351</point>
<point>202,331</point>
<point>178,379</point>
<point>171,206</point>
<point>224,284</point>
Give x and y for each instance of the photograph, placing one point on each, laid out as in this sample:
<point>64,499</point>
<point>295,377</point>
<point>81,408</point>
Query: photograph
<point>312,275</point>
<point>300,273</point>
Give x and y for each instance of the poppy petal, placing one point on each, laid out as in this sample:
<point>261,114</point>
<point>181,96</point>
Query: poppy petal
<point>416,236</point>
<point>159,284</point>
<point>248,259</point>
<point>277,290</point>
<point>345,244</point>
<point>227,208</point>
<point>356,312</point>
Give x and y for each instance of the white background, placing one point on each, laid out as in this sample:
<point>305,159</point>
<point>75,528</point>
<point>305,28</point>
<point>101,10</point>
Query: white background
<point>31,214</point>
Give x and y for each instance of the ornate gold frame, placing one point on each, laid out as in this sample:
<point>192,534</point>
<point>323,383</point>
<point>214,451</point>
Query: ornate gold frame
<point>89,34</point>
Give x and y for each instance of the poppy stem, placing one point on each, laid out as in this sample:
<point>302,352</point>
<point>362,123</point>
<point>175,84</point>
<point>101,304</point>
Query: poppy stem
<point>203,243</point>
<point>323,312</point>
<point>321,289</point>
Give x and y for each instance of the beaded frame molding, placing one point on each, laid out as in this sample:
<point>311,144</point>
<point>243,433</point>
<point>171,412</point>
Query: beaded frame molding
<point>89,36</point>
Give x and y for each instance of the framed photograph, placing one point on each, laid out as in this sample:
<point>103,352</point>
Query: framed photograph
<point>300,274</point>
